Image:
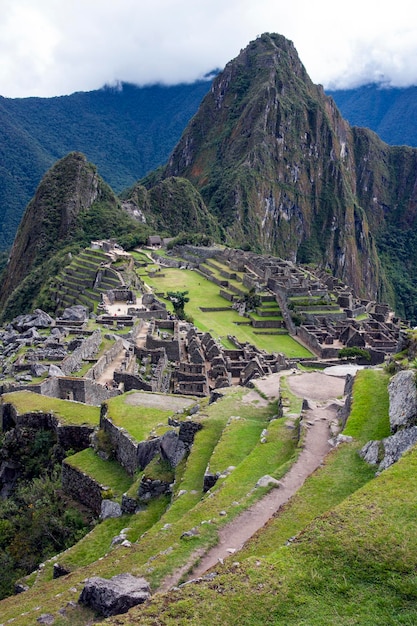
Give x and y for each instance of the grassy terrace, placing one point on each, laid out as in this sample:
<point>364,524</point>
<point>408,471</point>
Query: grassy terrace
<point>107,473</point>
<point>140,418</point>
<point>66,411</point>
<point>202,293</point>
<point>160,550</point>
<point>353,557</point>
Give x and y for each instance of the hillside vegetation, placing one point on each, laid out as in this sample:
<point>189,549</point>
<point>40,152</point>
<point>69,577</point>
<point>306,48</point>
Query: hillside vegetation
<point>340,551</point>
<point>125,130</point>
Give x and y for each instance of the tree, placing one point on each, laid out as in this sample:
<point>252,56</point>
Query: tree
<point>178,299</point>
<point>354,352</point>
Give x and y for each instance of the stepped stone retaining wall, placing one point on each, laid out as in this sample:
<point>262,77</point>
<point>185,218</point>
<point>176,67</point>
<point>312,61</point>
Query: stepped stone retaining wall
<point>68,436</point>
<point>125,447</point>
<point>81,487</point>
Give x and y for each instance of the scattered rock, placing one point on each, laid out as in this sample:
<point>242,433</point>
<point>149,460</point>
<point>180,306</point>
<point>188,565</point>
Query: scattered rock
<point>76,313</point>
<point>37,319</point>
<point>267,481</point>
<point>54,370</point>
<point>114,596</point>
<point>59,570</point>
<point>190,533</point>
<point>110,509</point>
<point>150,488</point>
<point>172,448</point>
<point>396,445</point>
<point>46,618</point>
<point>37,369</point>
<point>209,481</point>
<point>371,452</point>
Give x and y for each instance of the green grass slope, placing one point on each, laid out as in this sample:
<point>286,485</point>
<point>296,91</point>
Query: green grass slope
<point>353,556</point>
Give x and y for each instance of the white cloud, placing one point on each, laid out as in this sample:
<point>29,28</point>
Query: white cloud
<point>53,47</point>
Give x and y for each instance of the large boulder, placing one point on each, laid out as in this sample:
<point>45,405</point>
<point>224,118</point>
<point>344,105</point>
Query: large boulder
<point>114,596</point>
<point>402,400</point>
<point>37,319</point>
<point>75,313</point>
<point>172,448</point>
<point>396,445</point>
<point>371,452</point>
<point>110,509</point>
<point>56,371</point>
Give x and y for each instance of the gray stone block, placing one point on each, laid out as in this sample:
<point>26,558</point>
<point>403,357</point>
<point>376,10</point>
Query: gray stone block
<point>114,596</point>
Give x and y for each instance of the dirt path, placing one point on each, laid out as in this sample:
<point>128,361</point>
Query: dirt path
<point>321,391</point>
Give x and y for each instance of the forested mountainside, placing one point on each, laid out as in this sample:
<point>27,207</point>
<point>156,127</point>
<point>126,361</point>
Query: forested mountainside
<point>72,206</point>
<point>126,131</point>
<point>390,112</point>
<point>284,173</point>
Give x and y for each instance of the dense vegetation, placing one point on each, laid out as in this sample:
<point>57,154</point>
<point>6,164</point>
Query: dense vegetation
<point>388,111</point>
<point>125,130</point>
<point>71,207</point>
<point>36,520</point>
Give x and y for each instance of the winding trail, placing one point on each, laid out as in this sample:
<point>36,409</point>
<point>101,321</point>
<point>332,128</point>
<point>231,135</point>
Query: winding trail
<point>321,392</point>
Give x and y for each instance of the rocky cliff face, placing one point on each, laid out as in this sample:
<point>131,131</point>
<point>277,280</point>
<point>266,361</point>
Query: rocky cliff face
<point>280,169</point>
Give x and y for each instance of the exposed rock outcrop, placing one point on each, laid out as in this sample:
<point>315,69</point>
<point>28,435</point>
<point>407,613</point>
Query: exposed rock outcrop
<point>403,414</point>
<point>403,400</point>
<point>114,596</point>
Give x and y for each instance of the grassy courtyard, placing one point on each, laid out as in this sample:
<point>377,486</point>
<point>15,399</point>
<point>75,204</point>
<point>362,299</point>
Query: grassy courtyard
<point>203,293</point>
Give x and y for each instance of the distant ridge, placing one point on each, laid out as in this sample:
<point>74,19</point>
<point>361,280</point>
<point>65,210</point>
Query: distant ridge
<point>391,112</point>
<point>125,131</point>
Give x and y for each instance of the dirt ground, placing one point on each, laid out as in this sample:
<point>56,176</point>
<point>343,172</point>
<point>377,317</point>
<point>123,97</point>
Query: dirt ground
<point>159,401</point>
<point>321,390</point>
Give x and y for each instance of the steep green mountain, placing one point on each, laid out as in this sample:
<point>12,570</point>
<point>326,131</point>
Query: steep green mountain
<point>126,131</point>
<point>72,205</point>
<point>173,205</point>
<point>283,172</point>
<point>390,112</point>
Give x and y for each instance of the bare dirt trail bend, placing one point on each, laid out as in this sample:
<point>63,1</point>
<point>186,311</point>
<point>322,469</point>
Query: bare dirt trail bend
<point>321,391</point>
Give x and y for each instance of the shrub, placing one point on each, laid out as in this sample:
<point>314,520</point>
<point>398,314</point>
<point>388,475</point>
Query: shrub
<point>354,352</point>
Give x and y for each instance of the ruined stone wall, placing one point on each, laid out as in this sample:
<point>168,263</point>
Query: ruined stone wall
<point>162,376</point>
<point>105,360</point>
<point>313,344</point>
<point>171,347</point>
<point>68,436</point>
<point>167,261</point>
<point>124,446</point>
<point>96,394</point>
<point>131,381</point>
<point>81,487</point>
<point>87,350</point>
<point>148,315</point>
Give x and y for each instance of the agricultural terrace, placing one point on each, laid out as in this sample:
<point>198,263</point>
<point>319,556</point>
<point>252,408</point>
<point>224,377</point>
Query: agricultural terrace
<point>66,411</point>
<point>203,293</point>
<point>140,412</point>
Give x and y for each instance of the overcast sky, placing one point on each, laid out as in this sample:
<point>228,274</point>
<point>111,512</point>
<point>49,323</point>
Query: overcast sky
<point>55,47</point>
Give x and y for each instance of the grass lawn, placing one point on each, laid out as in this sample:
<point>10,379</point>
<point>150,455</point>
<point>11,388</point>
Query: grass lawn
<point>139,420</point>
<point>203,293</point>
<point>107,473</point>
<point>66,411</point>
